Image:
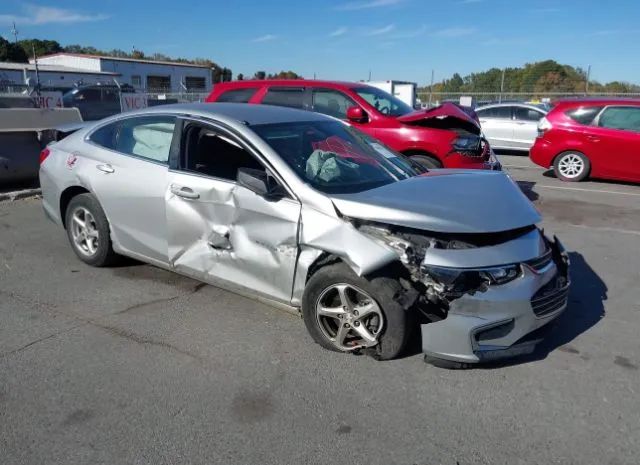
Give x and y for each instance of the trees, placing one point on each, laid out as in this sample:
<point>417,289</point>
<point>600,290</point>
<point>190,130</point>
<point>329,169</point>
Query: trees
<point>42,47</point>
<point>537,79</point>
<point>12,52</point>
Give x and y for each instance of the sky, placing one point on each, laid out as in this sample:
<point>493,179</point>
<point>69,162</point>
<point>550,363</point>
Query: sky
<point>348,39</point>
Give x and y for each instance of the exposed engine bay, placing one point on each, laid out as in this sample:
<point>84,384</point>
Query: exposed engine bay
<point>437,285</point>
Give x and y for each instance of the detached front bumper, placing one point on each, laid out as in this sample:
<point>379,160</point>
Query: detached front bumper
<point>504,321</point>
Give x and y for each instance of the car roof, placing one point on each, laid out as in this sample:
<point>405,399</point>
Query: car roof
<point>597,101</point>
<point>512,104</point>
<point>289,83</point>
<point>245,113</point>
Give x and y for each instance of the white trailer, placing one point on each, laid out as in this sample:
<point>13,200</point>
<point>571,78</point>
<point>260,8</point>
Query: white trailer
<point>404,90</point>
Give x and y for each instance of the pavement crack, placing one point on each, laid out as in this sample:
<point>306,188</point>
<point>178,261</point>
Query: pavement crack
<point>143,340</point>
<point>197,288</point>
<point>42,339</point>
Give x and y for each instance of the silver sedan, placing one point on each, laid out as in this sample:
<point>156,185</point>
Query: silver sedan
<point>510,126</point>
<point>307,212</point>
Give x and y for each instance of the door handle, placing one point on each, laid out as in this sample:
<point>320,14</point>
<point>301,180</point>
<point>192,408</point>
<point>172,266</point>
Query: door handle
<point>106,168</point>
<point>184,192</point>
<point>520,123</point>
<point>593,138</point>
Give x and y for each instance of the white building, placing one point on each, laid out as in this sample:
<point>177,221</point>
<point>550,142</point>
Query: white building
<point>150,75</point>
<point>51,75</point>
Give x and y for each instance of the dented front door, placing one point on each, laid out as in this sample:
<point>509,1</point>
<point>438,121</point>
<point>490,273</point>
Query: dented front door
<point>222,232</point>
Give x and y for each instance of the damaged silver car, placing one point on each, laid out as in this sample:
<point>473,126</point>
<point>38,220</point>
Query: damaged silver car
<point>306,211</point>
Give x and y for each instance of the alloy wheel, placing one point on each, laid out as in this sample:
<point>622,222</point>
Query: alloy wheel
<point>349,317</point>
<point>571,165</point>
<point>84,231</point>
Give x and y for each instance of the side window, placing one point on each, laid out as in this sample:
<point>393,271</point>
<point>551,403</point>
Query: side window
<point>331,102</point>
<point>496,112</point>
<point>237,95</point>
<point>625,118</point>
<point>110,95</point>
<point>527,114</point>
<point>105,136</point>
<point>285,97</point>
<point>208,152</point>
<point>584,115</point>
<point>147,137</point>
<point>88,95</point>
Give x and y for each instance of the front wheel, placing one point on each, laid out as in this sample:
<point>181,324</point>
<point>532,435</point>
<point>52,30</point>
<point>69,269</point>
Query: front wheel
<point>571,166</point>
<point>427,161</point>
<point>344,312</point>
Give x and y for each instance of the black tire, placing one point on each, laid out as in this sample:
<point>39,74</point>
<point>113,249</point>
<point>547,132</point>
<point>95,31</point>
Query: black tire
<point>561,172</point>
<point>104,254</point>
<point>427,161</point>
<point>396,329</point>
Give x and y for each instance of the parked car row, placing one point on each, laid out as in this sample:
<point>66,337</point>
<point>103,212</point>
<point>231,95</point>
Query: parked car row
<point>316,208</point>
<point>578,138</point>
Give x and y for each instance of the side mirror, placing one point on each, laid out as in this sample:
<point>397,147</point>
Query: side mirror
<point>260,182</point>
<point>356,114</point>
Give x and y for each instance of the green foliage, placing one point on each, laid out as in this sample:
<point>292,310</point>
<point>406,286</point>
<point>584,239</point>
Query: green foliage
<point>538,78</point>
<point>42,47</point>
<point>12,52</point>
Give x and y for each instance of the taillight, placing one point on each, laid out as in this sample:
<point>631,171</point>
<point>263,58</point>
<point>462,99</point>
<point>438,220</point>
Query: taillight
<point>469,145</point>
<point>543,126</point>
<point>44,154</point>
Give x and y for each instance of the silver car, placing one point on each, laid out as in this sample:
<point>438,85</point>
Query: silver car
<point>307,212</point>
<point>511,126</point>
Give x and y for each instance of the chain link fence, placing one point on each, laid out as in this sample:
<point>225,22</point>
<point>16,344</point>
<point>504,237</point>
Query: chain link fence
<point>431,99</point>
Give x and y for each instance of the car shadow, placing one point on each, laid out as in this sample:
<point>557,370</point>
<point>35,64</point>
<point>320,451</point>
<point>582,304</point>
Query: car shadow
<point>611,182</point>
<point>584,310</point>
<point>527,189</point>
<point>520,153</point>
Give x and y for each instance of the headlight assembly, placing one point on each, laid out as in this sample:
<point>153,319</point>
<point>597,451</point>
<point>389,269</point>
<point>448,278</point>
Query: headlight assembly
<point>460,278</point>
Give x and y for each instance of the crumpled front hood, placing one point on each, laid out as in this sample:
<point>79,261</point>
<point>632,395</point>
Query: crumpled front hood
<point>445,116</point>
<point>454,201</point>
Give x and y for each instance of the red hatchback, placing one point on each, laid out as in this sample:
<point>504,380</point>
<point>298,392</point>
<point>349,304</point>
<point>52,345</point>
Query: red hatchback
<point>591,137</point>
<point>445,136</point>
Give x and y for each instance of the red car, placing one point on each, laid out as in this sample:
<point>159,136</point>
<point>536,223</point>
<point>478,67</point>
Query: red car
<point>597,138</point>
<point>445,136</point>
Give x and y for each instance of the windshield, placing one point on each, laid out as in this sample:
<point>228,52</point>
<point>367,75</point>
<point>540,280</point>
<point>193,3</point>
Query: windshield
<point>385,103</point>
<point>335,158</point>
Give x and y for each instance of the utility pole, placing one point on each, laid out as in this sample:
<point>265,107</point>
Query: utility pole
<point>369,75</point>
<point>501,87</point>
<point>14,31</point>
<point>35,62</point>
<point>586,84</point>
<point>431,88</point>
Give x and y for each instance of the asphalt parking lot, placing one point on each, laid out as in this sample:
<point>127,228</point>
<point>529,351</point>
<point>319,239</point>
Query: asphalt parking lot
<point>135,365</point>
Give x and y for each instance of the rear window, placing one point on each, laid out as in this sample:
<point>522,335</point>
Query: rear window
<point>583,115</point>
<point>285,97</point>
<point>237,95</point>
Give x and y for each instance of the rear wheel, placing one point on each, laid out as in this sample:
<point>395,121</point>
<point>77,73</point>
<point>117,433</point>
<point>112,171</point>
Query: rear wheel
<point>344,312</point>
<point>571,166</point>
<point>427,161</point>
<point>88,231</point>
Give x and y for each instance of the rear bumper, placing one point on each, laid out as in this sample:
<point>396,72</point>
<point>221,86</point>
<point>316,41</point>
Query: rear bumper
<point>542,153</point>
<point>504,321</point>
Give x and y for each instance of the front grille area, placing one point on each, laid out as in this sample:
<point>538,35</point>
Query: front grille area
<point>538,264</point>
<point>551,297</point>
